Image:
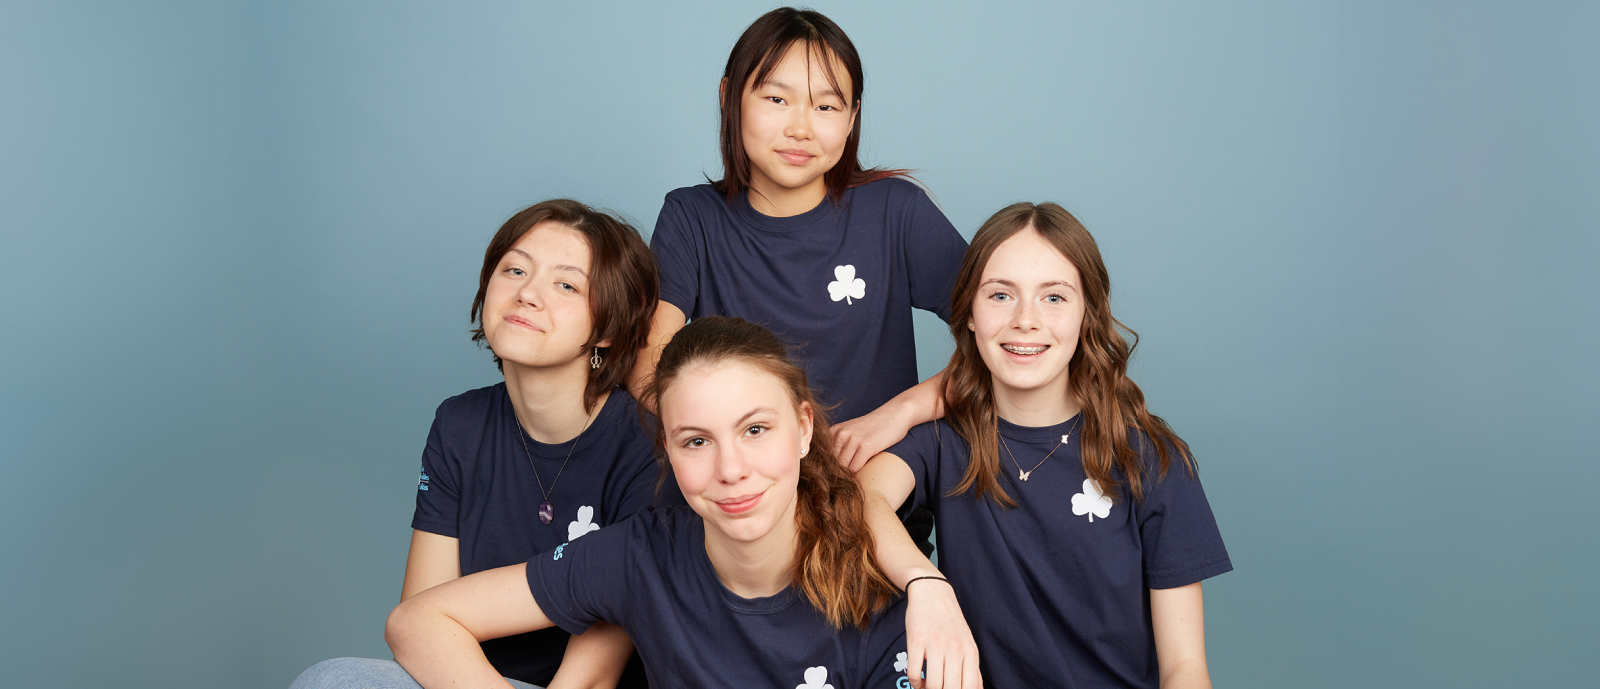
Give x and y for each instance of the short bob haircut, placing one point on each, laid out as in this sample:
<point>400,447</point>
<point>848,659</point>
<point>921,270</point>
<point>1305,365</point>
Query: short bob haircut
<point>623,285</point>
<point>754,56</point>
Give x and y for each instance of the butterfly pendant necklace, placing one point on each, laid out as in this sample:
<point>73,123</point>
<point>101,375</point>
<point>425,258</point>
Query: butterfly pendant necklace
<point>1023,475</point>
<point>547,511</point>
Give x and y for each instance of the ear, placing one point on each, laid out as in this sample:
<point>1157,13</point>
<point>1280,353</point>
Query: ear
<point>806,425</point>
<point>604,344</point>
<point>972,326</point>
<point>855,118</point>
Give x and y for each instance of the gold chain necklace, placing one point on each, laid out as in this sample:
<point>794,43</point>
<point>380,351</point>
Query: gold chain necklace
<point>1025,474</point>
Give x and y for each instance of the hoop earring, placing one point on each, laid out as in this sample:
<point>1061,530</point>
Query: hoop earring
<point>595,360</point>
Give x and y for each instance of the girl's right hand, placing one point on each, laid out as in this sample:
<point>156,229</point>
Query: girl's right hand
<point>938,634</point>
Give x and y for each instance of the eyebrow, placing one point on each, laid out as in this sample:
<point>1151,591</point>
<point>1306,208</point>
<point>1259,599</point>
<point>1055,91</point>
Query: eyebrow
<point>574,269</point>
<point>747,416</point>
<point>1013,285</point>
<point>830,91</point>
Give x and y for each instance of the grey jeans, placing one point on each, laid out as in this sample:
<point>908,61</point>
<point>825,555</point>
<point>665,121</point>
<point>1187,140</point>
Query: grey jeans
<point>364,673</point>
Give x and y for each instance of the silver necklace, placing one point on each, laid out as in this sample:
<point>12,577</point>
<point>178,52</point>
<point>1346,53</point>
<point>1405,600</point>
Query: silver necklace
<point>547,511</point>
<point>1025,474</point>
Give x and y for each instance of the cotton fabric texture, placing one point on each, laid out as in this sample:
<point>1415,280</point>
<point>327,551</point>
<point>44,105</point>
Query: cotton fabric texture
<point>651,576</point>
<point>1056,589</point>
<point>836,283</point>
<point>477,486</point>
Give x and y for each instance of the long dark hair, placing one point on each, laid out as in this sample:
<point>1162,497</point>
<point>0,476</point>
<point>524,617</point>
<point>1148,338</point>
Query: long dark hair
<point>754,57</point>
<point>1098,370</point>
<point>834,562</point>
<point>623,285</point>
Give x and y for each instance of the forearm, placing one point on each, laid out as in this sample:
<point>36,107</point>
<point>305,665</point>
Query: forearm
<point>922,402</point>
<point>897,554</point>
<point>594,659</point>
<point>438,651</point>
<point>1188,674</point>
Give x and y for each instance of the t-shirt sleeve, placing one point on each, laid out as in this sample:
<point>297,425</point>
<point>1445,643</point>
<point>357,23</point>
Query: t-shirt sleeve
<point>584,581</point>
<point>1182,544</point>
<point>675,242</point>
<point>933,250</point>
<point>920,451</point>
<point>438,488</point>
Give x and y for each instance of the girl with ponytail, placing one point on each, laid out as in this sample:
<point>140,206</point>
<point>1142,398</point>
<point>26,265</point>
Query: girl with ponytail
<point>769,578</point>
<point>1072,525</point>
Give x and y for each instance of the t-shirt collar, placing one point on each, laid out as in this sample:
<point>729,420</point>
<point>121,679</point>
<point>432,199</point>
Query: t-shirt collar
<point>755,218</point>
<point>1041,434</point>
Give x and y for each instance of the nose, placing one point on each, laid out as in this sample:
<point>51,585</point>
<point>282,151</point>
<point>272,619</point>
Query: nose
<point>1025,316</point>
<point>731,464</point>
<point>799,124</point>
<point>529,295</point>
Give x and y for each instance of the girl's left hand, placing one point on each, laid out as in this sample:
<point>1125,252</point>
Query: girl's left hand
<point>862,438</point>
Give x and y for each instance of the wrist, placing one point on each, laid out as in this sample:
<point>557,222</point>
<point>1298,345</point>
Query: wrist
<point>930,579</point>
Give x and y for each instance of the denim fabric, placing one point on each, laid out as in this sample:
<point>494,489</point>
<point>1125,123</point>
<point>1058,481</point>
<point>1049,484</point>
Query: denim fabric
<point>364,673</point>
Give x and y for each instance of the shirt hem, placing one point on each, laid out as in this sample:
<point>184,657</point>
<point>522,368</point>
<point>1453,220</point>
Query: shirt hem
<point>1190,575</point>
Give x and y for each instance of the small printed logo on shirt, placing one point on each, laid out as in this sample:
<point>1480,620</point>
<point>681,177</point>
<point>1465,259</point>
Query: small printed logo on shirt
<point>422,483</point>
<point>1091,502</point>
<point>584,524</point>
<point>816,678</point>
<point>846,285</point>
<point>901,682</point>
<point>559,548</point>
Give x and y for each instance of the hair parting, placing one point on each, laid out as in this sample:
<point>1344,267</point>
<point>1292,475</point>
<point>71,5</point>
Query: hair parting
<point>623,284</point>
<point>1113,405</point>
<point>834,563</point>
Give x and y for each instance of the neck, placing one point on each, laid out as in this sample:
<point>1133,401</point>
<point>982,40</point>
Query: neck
<point>776,202</point>
<point>759,568</point>
<point>1045,406</point>
<point>549,402</point>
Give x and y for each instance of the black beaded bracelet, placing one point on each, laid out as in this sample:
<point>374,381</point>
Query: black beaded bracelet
<point>907,587</point>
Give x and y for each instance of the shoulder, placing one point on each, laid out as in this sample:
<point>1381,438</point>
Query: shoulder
<point>471,405</point>
<point>697,195</point>
<point>892,187</point>
<point>928,441</point>
<point>1180,459</point>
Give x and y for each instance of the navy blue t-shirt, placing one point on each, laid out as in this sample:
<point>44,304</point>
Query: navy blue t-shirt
<point>478,486</point>
<point>1056,589</point>
<point>836,283</point>
<point>651,576</point>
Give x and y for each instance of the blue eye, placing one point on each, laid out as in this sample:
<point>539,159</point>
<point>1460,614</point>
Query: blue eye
<point>1056,299</point>
<point>1000,296</point>
<point>516,271</point>
<point>567,286</point>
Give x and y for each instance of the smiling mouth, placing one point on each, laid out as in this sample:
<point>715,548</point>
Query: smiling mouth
<point>1024,351</point>
<point>796,157</point>
<point>518,320</point>
<point>739,505</point>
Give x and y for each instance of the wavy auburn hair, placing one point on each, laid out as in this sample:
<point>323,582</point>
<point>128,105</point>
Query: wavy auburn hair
<point>623,284</point>
<point>759,50</point>
<point>834,563</point>
<point>1097,373</point>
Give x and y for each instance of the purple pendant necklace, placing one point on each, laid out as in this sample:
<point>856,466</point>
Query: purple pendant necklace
<point>547,511</point>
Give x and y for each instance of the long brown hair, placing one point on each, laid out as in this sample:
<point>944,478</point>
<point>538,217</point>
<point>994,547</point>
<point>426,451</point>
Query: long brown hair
<point>754,56</point>
<point>1098,371</point>
<point>623,285</point>
<point>834,562</point>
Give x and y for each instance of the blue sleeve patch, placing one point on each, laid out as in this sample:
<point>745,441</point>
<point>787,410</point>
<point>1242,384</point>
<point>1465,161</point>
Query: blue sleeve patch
<point>422,482</point>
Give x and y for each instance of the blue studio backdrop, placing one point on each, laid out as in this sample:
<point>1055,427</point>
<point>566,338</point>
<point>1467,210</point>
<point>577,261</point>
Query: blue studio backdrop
<point>238,242</point>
